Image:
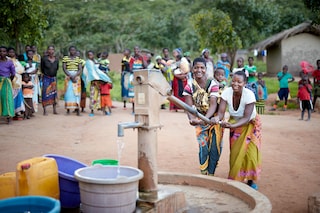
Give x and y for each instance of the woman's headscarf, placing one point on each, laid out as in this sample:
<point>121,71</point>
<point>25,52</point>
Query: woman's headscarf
<point>204,50</point>
<point>179,50</point>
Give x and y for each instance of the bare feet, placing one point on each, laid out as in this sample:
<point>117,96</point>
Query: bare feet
<point>54,109</point>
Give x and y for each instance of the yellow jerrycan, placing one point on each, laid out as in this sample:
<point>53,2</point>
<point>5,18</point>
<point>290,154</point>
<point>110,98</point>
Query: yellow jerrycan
<point>38,176</point>
<point>7,185</point>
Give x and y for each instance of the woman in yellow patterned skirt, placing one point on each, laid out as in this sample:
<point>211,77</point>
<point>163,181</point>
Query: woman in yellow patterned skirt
<point>245,130</point>
<point>72,67</point>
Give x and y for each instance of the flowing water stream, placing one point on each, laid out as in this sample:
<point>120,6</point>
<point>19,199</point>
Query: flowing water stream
<point>120,146</point>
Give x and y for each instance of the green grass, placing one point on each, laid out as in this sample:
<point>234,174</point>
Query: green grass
<point>261,66</point>
<point>273,86</point>
<point>272,82</point>
<point>116,89</point>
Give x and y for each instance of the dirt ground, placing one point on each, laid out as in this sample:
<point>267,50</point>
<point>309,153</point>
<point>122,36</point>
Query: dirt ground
<point>291,148</point>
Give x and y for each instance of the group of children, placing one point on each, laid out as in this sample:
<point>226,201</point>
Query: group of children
<point>304,96</point>
<point>254,81</point>
<point>104,91</point>
<point>258,86</point>
<point>100,82</point>
<point>26,66</point>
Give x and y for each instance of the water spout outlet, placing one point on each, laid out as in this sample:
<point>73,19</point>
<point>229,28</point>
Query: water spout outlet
<point>127,125</point>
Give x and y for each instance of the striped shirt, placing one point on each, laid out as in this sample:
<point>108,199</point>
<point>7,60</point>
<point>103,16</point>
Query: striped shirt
<point>72,64</point>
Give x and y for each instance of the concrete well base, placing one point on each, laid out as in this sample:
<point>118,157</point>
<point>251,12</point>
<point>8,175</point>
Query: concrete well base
<point>258,202</point>
<point>167,199</point>
<point>171,199</point>
<point>314,203</point>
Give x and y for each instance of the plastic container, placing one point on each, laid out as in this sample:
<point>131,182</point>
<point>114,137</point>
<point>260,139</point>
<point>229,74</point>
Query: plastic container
<point>8,185</point>
<point>105,162</point>
<point>32,204</point>
<point>38,176</point>
<point>101,191</point>
<point>69,186</point>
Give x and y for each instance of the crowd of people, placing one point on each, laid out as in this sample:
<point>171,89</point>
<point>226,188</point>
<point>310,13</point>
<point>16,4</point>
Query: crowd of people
<point>212,88</point>
<point>29,79</point>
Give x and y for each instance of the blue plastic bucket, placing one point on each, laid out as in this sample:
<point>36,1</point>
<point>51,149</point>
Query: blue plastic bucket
<point>69,186</point>
<point>34,204</point>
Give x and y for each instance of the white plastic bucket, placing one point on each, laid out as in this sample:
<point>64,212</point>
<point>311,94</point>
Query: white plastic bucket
<point>101,191</point>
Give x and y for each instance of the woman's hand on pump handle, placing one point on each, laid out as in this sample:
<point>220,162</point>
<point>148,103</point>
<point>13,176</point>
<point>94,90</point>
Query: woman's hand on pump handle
<point>224,124</point>
<point>196,121</point>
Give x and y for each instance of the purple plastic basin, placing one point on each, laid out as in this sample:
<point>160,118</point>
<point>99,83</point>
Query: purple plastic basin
<point>69,186</point>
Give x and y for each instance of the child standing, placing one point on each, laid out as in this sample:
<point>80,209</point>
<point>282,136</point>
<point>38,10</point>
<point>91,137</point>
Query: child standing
<point>304,96</point>
<point>284,78</point>
<point>104,62</point>
<point>261,94</point>
<point>316,84</point>
<point>224,63</point>
<point>106,101</point>
<point>252,70</point>
<point>240,67</point>
<point>27,90</point>
<point>219,76</point>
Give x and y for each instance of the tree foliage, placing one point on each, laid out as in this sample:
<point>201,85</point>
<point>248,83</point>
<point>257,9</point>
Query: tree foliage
<point>314,6</point>
<point>215,31</point>
<point>291,13</point>
<point>153,24</point>
<point>253,20</point>
<point>22,21</point>
<point>115,25</point>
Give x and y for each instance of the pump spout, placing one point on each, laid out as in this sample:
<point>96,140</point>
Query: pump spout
<point>127,125</point>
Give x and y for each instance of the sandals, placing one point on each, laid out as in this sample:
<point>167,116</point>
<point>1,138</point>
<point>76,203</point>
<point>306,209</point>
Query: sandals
<point>252,185</point>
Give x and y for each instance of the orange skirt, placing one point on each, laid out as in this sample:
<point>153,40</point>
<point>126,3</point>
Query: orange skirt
<point>106,101</point>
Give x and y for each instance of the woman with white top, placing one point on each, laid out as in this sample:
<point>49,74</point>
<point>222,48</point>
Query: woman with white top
<point>245,130</point>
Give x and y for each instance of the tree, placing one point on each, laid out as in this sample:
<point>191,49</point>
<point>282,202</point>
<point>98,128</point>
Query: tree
<point>253,20</point>
<point>216,32</point>
<point>314,6</point>
<point>291,13</point>
<point>22,21</point>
